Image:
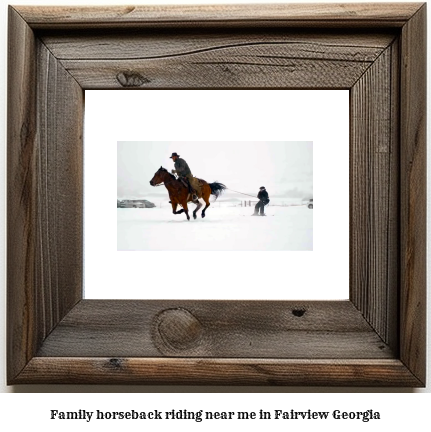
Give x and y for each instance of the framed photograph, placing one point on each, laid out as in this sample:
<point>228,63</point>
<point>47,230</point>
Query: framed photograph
<point>229,254</point>
<point>375,337</point>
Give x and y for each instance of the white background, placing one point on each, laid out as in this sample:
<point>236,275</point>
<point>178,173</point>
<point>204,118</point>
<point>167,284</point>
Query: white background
<point>241,115</point>
<point>401,410</point>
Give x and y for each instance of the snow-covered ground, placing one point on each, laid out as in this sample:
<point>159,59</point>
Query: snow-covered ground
<point>223,228</point>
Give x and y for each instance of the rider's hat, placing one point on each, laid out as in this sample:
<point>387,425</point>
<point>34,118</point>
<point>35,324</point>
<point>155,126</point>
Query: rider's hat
<point>174,154</point>
<point>262,187</point>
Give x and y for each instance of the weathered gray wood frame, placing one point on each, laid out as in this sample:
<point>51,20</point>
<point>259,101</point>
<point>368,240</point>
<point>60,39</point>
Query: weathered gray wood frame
<point>377,338</point>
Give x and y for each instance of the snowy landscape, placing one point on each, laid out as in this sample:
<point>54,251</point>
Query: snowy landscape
<point>227,226</point>
<point>284,168</point>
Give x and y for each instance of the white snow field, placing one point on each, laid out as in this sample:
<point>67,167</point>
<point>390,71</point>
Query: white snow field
<point>224,228</point>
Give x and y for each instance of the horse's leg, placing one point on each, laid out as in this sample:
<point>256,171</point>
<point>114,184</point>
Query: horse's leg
<point>182,199</point>
<point>207,205</point>
<point>174,209</point>
<point>198,206</point>
<point>206,196</point>
<point>185,209</point>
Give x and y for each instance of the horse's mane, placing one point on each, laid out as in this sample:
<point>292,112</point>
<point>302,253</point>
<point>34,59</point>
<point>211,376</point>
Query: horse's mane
<point>164,169</point>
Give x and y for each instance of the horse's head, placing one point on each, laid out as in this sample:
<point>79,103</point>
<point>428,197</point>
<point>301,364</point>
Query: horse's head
<point>159,177</point>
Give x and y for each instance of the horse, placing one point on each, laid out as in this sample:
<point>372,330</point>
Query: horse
<point>179,193</point>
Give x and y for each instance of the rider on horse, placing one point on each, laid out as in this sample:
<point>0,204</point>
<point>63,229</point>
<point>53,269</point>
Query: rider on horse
<point>183,171</point>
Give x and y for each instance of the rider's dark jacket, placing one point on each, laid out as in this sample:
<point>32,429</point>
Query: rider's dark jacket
<point>182,168</point>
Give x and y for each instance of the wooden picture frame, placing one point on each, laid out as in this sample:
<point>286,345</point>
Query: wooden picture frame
<point>376,338</point>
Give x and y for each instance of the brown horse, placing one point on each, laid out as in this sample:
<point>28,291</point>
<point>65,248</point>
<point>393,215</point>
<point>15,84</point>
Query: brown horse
<point>179,193</point>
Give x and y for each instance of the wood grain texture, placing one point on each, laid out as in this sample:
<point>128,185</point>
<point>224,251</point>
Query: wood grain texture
<point>208,59</point>
<point>21,208</point>
<point>45,105</point>
<point>413,194</point>
<point>228,70</point>
<point>201,371</point>
<point>300,14</point>
<point>374,195</point>
<point>144,44</point>
<point>59,246</point>
<point>227,60</point>
<point>392,299</point>
<point>242,329</point>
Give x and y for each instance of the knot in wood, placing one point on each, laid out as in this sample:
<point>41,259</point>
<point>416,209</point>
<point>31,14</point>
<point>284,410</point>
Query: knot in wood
<point>131,79</point>
<point>115,363</point>
<point>298,312</point>
<point>178,329</point>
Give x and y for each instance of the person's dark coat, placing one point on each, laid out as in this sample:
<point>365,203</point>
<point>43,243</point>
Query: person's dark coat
<point>263,195</point>
<point>182,168</point>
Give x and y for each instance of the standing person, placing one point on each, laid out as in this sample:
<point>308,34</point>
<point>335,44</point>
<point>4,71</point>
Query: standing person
<point>183,170</point>
<point>263,201</point>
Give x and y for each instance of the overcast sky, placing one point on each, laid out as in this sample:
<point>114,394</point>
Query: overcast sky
<point>284,168</point>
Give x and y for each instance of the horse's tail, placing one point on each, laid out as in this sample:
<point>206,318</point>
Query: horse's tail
<point>217,189</point>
